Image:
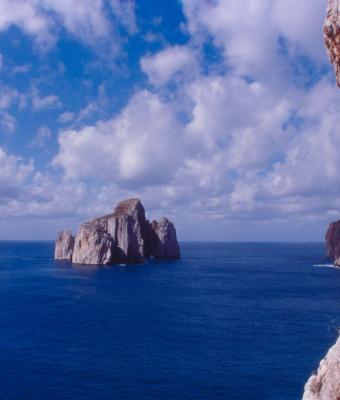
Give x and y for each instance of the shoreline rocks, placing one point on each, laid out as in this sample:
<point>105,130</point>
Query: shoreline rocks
<point>325,383</point>
<point>123,237</point>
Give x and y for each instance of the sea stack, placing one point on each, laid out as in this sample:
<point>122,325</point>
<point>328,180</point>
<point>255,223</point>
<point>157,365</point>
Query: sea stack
<point>123,237</point>
<point>325,383</point>
<point>64,246</point>
<point>333,242</point>
<point>332,35</point>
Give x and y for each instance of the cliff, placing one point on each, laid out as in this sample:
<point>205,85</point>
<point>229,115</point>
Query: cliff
<point>123,237</point>
<point>333,242</point>
<point>325,383</point>
<point>332,35</point>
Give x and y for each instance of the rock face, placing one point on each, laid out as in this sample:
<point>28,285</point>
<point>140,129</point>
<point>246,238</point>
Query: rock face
<point>93,246</point>
<point>123,237</point>
<point>165,241</point>
<point>325,383</point>
<point>332,35</point>
<point>64,246</point>
<point>333,242</point>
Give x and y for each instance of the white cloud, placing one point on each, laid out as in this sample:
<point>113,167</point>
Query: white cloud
<point>142,146</point>
<point>87,19</point>
<point>14,172</point>
<point>165,64</point>
<point>248,143</point>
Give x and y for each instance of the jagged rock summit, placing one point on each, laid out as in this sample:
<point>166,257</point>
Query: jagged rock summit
<point>325,383</point>
<point>123,237</point>
<point>331,31</point>
<point>333,242</point>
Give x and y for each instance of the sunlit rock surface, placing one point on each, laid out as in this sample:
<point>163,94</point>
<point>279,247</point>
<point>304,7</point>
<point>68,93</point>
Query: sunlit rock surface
<point>325,383</point>
<point>123,237</point>
<point>332,35</point>
<point>64,246</point>
<point>93,246</point>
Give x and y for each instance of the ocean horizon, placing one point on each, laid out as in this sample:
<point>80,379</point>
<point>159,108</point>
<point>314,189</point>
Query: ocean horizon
<point>227,321</point>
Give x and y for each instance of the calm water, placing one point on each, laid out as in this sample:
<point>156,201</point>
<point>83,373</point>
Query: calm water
<point>229,321</point>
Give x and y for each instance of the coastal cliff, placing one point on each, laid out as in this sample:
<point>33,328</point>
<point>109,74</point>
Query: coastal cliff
<point>123,237</point>
<point>333,242</point>
<point>325,383</point>
<point>332,35</point>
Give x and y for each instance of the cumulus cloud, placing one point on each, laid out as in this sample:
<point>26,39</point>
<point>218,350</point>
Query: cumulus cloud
<point>253,141</point>
<point>142,146</point>
<point>164,65</point>
<point>87,20</point>
<point>14,172</point>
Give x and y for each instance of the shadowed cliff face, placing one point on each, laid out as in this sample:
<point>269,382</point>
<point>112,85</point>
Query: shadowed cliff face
<point>333,242</point>
<point>325,383</point>
<point>123,237</point>
<point>332,35</point>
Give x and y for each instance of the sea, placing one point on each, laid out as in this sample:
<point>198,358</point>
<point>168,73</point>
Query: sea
<point>231,321</point>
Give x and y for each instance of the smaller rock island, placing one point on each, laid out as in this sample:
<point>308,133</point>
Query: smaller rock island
<point>333,242</point>
<point>123,237</point>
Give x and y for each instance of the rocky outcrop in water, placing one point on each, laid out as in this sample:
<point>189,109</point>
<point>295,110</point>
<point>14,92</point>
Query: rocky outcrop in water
<point>165,243</point>
<point>123,237</point>
<point>64,246</point>
<point>325,383</point>
<point>332,35</point>
<point>333,242</point>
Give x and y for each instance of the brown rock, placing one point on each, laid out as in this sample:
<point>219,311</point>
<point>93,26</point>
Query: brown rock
<point>332,35</point>
<point>333,242</point>
<point>64,246</point>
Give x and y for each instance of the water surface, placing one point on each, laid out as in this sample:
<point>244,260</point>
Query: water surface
<point>228,321</point>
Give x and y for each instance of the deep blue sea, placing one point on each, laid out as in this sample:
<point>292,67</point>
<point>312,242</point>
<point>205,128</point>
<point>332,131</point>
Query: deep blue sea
<point>228,321</point>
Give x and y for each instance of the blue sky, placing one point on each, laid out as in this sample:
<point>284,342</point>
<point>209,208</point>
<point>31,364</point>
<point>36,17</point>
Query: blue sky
<point>222,115</point>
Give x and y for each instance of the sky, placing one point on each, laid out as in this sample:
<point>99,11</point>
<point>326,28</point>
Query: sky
<point>222,115</point>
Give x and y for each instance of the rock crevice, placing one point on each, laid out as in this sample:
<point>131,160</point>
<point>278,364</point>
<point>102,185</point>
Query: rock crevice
<point>123,237</point>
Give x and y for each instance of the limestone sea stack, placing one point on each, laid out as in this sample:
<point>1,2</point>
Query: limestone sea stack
<point>333,242</point>
<point>64,246</point>
<point>332,35</point>
<point>325,383</point>
<point>123,237</point>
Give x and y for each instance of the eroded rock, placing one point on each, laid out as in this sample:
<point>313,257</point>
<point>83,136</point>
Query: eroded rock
<point>64,246</point>
<point>332,35</point>
<point>325,383</point>
<point>125,236</point>
<point>333,242</point>
<point>127,227</point>
<point>165,243</point>
<point>93,246</point>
